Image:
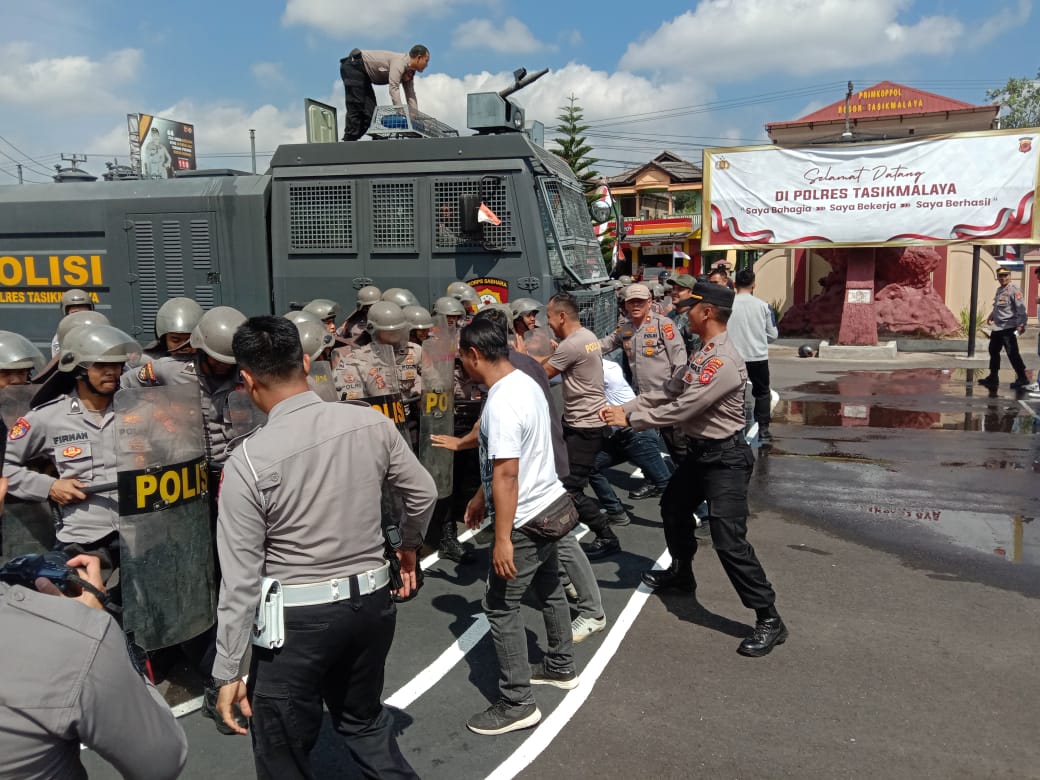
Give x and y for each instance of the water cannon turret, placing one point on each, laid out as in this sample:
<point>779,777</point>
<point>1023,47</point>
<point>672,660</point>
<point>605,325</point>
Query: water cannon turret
<point>494,112</point>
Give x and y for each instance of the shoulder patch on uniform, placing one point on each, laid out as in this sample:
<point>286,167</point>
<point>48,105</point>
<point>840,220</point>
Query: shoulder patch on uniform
<point>19,430</point>
<point>378,377</point>
<point>147,373</point>
<point>709,370</point>
<point>1018,295</point>
<point>71,451</point>
<point>708,347</point>
<point>669,330</point>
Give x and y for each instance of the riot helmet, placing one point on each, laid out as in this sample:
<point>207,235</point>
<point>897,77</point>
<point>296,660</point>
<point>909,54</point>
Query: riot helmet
<point>449,307</point>
<point>625,280</point>
<point>314,337</point>
<point>400,296</point>
<point>323,308</point>
<point>806,351</point>
<point>296,316</point>
<point>75,297</point>
<point>522,306</point>
<point>89,344</point>
<point>658,291</point>
<point>17,352</point>
<point>177,315</point>
<point>418,318</point>
<point>366,296</point>
<point>75,320</point>
<point>386,317</point>
<point>465,294</point>
<point>215,331</point>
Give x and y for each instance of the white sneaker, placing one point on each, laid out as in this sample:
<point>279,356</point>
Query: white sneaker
<point>583,627</point>
<point>1033,388</point>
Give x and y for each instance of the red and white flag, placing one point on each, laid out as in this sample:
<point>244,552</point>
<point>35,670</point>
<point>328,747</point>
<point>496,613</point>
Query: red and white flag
<point>678,254</point>
<point>487,215</point>
<point>604,195</point>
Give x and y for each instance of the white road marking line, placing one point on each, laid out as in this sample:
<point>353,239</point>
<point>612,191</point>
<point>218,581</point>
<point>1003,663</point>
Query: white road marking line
<point>1025,405</point>
<point>551,726</point>
<point>188,707</point>
<point>447,660</point>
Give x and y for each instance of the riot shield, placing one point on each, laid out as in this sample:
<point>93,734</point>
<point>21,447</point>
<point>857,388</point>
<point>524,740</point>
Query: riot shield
<point>538,343</point>
<point>245,417</point>
<point>28,526</point>
<point>378,369</point>
<point>165,540</point>
<point>321,381</point>
<point>437,403</point>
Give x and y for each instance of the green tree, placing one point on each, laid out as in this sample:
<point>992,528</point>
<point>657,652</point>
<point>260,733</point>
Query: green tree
<point>572,146</point>
<point>1021,97</point>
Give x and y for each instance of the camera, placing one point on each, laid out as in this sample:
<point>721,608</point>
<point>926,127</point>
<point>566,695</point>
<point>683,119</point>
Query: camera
<point>25,569</point>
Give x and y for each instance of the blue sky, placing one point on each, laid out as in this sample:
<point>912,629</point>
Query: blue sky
<point>650,76</point>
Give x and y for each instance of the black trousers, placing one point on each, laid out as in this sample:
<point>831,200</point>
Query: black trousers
<point>1007,340</point>
<point>758,375</point>
<point>718,474</point>
<point>359,97</point>
<point>583,445</point>
<point>333,653</point>
<point>675,443</point>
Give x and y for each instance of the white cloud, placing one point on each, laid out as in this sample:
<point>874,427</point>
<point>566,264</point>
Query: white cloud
<point>268,73</point>
<point>513,37</point>
<point>1004,20</point>
<point>61,84</point>
<point>356,18</point>
<point>740,39</point>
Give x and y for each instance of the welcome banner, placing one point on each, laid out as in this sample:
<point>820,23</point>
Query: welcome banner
<point>962,188</point>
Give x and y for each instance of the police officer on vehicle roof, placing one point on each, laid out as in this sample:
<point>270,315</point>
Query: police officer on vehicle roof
<point>75,683</point>
<point>1008,320</point>
<point>705,397</point>
<point>654,351</point>
<point>19,358</point>
<point>354,326</point>
<point>325,310</point>
<point>278,519</point>
<point>72,301</point>
<point>76,430</point>
<point>174,322</point>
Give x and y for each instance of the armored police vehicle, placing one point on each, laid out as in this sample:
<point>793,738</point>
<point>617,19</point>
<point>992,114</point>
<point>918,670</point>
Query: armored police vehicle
<point>494,209</point>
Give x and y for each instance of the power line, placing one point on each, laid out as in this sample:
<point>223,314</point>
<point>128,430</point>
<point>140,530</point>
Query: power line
<point>27,157</point>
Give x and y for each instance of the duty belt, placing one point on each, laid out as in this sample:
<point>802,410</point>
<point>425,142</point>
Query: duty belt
<point>707,445</point>
<point>339,589</point>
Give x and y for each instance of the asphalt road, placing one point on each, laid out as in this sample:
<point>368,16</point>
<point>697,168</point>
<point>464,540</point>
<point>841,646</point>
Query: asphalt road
<point>895,515</point>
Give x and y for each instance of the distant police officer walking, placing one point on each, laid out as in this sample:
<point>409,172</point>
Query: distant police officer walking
<point>1008,320</point>
<point>278,519</point>
<point>705,398</point>
<point>72,301</point>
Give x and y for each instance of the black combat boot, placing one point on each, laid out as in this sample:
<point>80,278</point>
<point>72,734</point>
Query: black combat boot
<point>450,547</point>
<point>678,576</point>
<point>768,633</point>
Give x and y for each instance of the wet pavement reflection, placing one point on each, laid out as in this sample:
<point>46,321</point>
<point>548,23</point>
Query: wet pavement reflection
<point>923,460</point>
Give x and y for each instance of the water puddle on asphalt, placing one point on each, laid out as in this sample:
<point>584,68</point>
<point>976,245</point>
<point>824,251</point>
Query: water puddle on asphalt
<point>916,398</point>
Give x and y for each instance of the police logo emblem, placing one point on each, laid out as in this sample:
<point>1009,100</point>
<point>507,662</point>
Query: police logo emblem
<point>19,430</point>
<point>72,452</point>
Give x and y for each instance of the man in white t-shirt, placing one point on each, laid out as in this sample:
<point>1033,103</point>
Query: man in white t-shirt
<point>518,472</point>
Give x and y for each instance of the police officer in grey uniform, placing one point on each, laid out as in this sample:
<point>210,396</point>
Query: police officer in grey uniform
<point>278,519</point>
<point>70,680</point>
<point>654,350</point>
<point>174,322</point>
<point>679,289</point>
<point>1008,320</point>
<point>325,310</point>
<point>354,326</point>
<point>76,430</point>
<point>19,358</point>
<point>705,398</point>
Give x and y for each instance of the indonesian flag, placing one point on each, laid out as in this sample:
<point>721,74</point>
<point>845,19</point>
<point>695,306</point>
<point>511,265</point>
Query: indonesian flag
<point>678,254</point>
<point>487,215</point>
<point>1010,252</point>
<point>617,253</point>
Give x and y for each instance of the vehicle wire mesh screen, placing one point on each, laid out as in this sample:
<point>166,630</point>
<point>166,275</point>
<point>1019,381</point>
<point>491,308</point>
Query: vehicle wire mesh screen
<point>446,222</point>
<point>597,309</point>
<point>574,227</point>
<point>321,217</point>
<point>393,215</point>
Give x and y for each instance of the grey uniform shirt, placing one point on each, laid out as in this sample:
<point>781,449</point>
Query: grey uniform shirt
<point>1009,308</point>
<point>391,67</point>
<point>69,680</point>
<point>300,502</point>
<point>214,395</point>
<point>704,398</point>
<point>579,360</point>
<point>655,350</point>
<point>82,445</point>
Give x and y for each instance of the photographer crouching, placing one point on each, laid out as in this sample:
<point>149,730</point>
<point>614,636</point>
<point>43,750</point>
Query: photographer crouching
<point>70,679</point>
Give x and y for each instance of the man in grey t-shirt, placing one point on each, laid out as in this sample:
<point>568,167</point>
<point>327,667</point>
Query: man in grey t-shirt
<point>580,361</point>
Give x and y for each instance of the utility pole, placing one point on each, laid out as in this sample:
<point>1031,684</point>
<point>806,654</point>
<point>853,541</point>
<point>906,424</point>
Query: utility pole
<point>19,165</point>
<point>252,147</point>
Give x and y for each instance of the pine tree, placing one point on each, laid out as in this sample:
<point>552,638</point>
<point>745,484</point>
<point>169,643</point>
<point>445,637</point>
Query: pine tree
<point>572,146</point>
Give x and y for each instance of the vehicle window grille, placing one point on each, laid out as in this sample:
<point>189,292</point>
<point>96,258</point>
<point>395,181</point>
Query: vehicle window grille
<point>173,258</point>
<point>205,296</point>
<point>597,309</point>
<point>447,233</point>
<point>201,245</point>
<point>321,216</point>
<point>393,215</point>
<point>147,288</point>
